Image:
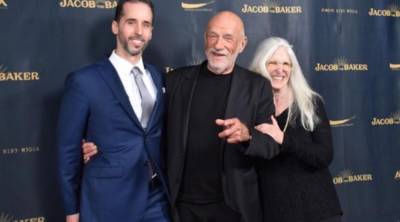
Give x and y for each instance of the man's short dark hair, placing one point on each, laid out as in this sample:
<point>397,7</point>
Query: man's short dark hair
<point>119,10</point>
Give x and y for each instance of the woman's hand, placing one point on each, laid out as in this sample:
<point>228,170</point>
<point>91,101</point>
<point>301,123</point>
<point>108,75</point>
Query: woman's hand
<point>272,130</point>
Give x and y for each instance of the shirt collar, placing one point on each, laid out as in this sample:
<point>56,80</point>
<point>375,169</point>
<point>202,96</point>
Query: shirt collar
<point>124,66</point>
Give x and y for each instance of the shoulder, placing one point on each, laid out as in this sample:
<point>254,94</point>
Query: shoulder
<point>152,68</point>
<point>250,75</point>
<point>89,70</point>
<point>183,71</point>
<point>254,80</point>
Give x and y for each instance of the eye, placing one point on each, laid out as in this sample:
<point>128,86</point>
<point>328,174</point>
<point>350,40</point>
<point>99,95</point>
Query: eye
<point>211,35</point>
<point>228,38</point>
<point>273,63</point>
<point>147,25</point>
<point>287,64</point>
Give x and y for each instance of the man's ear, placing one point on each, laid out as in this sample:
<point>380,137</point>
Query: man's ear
<point>243,44</point>
<point>114,27</point>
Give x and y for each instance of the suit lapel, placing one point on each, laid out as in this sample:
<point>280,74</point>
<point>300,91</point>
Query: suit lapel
<point>157,80</point>
<point>237,93</point>
<point>110,76</point>
<point>188,88</point>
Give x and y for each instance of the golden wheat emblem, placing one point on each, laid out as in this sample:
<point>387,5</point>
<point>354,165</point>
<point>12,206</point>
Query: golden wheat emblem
<point>195,5</point>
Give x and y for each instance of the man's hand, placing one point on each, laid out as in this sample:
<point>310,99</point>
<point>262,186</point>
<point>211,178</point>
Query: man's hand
<point>89,149</point>
<point>72,218</point>
<point>234,130</point>
<point>272,130</point>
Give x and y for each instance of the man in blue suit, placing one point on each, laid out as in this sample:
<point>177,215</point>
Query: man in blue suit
<point>118,104</point>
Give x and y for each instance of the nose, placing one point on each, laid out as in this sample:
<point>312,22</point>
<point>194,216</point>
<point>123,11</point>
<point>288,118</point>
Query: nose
<point>219,43</point>
<point>139,29</point>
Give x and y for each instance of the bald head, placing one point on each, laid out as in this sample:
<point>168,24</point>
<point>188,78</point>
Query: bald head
<point>227,19</point>
<point>224,39</point>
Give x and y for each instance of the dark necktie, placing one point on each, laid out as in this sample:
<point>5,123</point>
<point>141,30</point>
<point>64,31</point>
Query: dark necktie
<point>147,101</point>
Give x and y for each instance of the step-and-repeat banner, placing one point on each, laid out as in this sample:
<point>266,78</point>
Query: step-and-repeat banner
<point>349,50</point>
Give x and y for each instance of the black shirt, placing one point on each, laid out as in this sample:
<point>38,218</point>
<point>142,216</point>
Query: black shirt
<point>202,181</point>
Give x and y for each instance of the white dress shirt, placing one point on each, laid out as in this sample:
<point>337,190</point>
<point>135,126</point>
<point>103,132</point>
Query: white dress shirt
<point>124,68</point>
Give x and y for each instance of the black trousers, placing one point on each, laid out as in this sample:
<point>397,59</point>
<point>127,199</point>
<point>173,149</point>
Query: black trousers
<point>214,212</point>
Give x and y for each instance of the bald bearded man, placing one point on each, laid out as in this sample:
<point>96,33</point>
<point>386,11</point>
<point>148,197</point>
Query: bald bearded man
<point>212,110</point>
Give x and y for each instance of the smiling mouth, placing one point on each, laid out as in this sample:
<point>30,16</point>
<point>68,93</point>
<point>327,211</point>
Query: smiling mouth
<point>278,77</point>
<point>217,54</point>
<point>136,41</point>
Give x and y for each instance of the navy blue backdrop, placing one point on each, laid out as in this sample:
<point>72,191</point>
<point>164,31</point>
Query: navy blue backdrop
<point>349,50</point>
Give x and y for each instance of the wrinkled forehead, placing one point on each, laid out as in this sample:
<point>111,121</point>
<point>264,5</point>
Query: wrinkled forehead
<point>226,23</point>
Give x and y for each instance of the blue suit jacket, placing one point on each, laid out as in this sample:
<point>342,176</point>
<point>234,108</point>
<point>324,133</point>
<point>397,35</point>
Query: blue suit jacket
<point>114,185</point>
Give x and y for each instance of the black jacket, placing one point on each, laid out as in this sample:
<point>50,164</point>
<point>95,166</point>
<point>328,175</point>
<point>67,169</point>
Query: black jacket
<point>296,185</point>
<point>250,100</point>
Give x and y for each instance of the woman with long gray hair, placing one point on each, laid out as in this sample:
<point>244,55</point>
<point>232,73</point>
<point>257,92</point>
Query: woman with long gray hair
<point>296,185</point>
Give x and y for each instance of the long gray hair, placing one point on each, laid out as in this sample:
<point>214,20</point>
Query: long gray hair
<point>304,97</point>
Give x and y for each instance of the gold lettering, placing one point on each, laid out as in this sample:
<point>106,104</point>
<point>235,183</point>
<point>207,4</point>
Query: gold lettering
<point>327,67</point>
<point>384,121</point>
<point>36,219</point>
<point>78,3</point>
<point>19,76</point>
<point>337,180</point>
<point>35,75</point>
<point>3,3</point>
<point>355,67</point>
<point>397,176</point>
<point>269,9</point>
<point>109,4</point>
<point>379,12</point>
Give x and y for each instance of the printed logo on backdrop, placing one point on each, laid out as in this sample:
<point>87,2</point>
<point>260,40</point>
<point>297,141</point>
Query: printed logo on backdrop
<point>89,4</point>
<point>205,5</point>
<point>3,4</point>
<point>342,122</point>
<point>392,119</point>
<point>8,218</point>
<point>397,175</point>
<point>347,176</point>
<point>350,11</point>
<point>271,7</point>
<point>10,76</point>
<point>392,10</point>
<point>340,64</point>
<point>19,150</point>
<point>394,67</point>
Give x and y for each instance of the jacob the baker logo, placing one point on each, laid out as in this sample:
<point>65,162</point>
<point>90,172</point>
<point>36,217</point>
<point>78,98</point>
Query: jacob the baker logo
<point>197,6</point>
<point>88,4</point>
<point>392,119</point>
<point>394,67</point>
<point>6,218</point>
<point>3,4</point>
<point>271,7</point>
<point>342,122</point>
<point>397,175</point>
<point>393,10</point>
<point>347,176</point>
<point>340,64</point>
<point>6,75</point>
